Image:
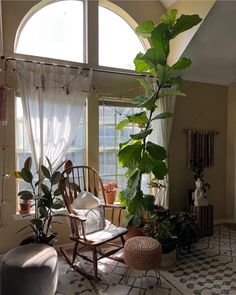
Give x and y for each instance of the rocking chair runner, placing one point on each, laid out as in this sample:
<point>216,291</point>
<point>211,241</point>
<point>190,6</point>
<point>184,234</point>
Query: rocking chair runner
<point>82,179</point>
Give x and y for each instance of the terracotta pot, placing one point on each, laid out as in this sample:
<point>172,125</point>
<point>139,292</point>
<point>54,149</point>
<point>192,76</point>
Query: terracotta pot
<point>110,197</point>
<point>25,206</point>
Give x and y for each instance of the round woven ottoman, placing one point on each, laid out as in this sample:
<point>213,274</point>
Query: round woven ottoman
<point>142,253</point>
<point>30,270</point>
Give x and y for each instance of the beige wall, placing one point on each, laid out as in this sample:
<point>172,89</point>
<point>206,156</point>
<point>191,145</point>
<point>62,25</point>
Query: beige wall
<point>210,103</point>
<point>13,13</point>
<point>231,147</point>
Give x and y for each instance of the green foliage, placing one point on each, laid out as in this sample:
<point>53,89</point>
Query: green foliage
<point>139,155</point>
<point>45,194</point>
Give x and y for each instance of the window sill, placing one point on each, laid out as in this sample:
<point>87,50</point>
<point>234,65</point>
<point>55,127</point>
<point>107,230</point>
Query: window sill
<point>30,215</point>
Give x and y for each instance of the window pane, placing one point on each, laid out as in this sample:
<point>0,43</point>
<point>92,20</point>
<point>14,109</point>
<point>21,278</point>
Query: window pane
<point>118,43</point>
<point>109,139</point>
<point>56,31</point>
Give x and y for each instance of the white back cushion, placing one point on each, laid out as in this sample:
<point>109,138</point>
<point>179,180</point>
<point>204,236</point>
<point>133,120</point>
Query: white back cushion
<point>85,200</point>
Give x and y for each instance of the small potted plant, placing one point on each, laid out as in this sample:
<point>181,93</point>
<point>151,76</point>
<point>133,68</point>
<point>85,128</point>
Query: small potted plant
<point>110,189</point>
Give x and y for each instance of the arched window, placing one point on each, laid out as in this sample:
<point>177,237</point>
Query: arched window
<point>56,31</point>
<point>118,43</point>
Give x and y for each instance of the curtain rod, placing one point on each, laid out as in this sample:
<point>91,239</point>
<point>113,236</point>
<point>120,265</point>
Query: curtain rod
<point>75,67</point>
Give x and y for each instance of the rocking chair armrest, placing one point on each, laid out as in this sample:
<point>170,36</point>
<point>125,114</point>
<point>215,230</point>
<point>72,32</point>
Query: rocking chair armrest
<point>74,216</point>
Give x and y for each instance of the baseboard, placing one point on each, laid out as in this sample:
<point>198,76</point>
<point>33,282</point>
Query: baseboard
<point>224,220</point>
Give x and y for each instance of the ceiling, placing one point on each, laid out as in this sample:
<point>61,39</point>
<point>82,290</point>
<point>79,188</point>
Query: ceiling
<point>213,48</point>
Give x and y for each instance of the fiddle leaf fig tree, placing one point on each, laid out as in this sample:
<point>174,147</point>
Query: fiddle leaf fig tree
<point>139,155</point>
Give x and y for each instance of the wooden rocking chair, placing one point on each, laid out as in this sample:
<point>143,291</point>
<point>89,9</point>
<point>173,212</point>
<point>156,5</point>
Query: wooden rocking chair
<point>75,181</point>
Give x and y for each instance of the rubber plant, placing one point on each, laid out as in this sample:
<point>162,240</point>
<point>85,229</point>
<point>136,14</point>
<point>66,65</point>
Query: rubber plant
<point>139,155</point>
<point>45,192</point>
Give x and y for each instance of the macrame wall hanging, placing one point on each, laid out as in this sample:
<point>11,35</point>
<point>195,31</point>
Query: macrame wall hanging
<point>200,148</point>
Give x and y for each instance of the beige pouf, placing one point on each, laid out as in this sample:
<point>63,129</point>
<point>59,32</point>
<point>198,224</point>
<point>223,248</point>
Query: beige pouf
<point>30,270</point>
<point>142,253</point>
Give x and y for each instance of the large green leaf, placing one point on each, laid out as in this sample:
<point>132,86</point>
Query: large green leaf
<point>182,64</point>
<point>169,17</point>
<point>140,63</point>
<point>46,172</point>
<point>55,178</point>
<point>141,135</point>
<point>164,74</point>
<point>37,222</point>
<point>149,103</point>
<point>138,100</point>
<point>160,40</point>
<point>122,124</point>
<point>139,118</point>
<point>57,192</point>
<point>184,23</point>
<point>164,115</point>
<point>153,57</point>
<point>134,179</point>
<point>58,204</point>
<point>129,193</point>
<point>25,195</point>
<point>160,170</point>
<point>145,29</point>
<point>26,175</point>
<point>157,152</point>
<point>146,164</point>
<point>49,163</point>
<point>130,155</point>
<point>43,212</point>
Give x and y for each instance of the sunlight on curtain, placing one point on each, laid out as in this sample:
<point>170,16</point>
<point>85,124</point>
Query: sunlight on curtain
<point>53,100</point>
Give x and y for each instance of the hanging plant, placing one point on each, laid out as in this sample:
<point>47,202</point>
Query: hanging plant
<point>139,155</point>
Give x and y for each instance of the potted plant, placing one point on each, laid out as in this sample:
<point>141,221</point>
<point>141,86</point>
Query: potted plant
<point>44,192</point>
<point>110,190</point>
<point>161,229</point>
<point>139,155</point>
<point>185,227</point>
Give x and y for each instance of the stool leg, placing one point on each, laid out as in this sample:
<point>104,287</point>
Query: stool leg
<point>140,287</point>
<point>126,276</point>
<point>158,277</point>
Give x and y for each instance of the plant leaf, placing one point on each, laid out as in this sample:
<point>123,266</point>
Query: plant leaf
<point>55,178</point>
<point>46,172</point>
<point>157,152</point>
<point>57,192</point>
<point>138,100</point>
<point>182,64</point>
<point>140,63</point>
<point>145,29</point>
<point>58,204</point>
<point>146,86</point>
<point>164,115</point>
<point>16,174</point>
<point>146,164</point>
<point>169,17</point>
<point>149,103</point>
<point>149,202</point>
<point>141,135</point>
<point>160,40</point>
<point>140,118</point>
<point>130,155</point>
<point>184,23</point>
<point>49,163</point>
<point>171,92</point>
<point>28,163</point>
<point>37,222</point>
<point>45,189</point>
<point>26,175</point>
<point>160,169</point>
<point>122,124</point>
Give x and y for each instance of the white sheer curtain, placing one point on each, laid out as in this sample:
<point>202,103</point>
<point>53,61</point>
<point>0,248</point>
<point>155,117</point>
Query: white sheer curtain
<point>161,136</point>
<point>53,100</point>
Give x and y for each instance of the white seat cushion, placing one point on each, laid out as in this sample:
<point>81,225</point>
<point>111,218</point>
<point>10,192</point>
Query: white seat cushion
<point>108,232</point>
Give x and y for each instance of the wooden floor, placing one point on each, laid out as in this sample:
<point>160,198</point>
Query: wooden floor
<point>231,226</point>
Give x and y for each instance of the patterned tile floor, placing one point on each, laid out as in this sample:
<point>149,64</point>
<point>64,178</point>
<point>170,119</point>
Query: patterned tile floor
<point>209,269</point>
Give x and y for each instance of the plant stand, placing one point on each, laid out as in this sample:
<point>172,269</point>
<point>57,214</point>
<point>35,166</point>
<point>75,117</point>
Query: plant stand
<point>205,219</point>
